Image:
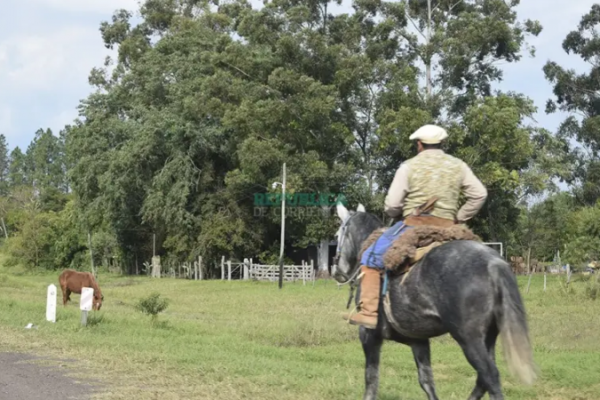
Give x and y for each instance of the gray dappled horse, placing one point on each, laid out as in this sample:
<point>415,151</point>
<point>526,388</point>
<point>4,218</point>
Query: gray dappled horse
<point>463,288</point>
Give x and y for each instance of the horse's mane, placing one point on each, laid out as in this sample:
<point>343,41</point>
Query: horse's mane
<point>94,283</point>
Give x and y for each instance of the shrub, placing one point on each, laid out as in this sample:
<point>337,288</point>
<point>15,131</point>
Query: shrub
<point>152,305</point>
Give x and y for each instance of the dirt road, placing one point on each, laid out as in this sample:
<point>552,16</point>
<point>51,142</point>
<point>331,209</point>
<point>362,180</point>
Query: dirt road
<point>23,379</point>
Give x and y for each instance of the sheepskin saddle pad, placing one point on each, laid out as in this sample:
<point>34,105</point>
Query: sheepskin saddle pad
<point>412,245</point>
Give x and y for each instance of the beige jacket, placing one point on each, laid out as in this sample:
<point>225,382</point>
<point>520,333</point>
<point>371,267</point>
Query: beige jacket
<point>435,173</point>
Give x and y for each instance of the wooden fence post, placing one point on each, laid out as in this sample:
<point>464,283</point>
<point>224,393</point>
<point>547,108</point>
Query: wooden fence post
<point>223,268</point>
<point>246,262</point>
<point>228,270</point>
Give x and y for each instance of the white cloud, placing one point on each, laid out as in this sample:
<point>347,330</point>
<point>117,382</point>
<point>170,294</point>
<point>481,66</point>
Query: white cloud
<point>36,62</point>
<point>90,6</point>
<point>5,120</point>
<point>64,118</point>
<point>48,47</point>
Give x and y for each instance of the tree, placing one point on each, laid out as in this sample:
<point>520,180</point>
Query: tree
<point>4,166</point>
<point>579,95</point>
<point>45,156</point>
<point>204,104</point>
<point>19,169</point>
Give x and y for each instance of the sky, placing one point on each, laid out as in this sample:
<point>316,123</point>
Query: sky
<point>48,48</point>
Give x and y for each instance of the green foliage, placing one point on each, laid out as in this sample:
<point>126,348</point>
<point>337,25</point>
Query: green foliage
<point>577,95</point>
<point>152,305</point>
<point>204,103</point>
<point>592,289</point>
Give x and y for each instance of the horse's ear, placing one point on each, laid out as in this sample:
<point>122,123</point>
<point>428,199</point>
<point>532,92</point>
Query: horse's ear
<point>360,208</point>
<point>342,211</point>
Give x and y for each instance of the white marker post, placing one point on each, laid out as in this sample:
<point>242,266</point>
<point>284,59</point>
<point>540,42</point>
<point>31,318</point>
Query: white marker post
<point>51,304</point>
<point>85,303</point>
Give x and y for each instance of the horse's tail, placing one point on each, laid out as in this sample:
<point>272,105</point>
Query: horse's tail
<point>513,328</point>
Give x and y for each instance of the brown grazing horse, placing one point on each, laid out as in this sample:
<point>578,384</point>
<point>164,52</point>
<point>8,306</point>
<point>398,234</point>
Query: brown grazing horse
<point>72,281</point>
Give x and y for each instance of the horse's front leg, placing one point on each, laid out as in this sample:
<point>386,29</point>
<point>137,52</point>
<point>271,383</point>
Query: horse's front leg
<point>422,353</point>
<point>371,341</point>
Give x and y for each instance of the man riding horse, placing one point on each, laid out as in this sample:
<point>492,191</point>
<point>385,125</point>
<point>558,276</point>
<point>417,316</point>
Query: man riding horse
<point>433,179</point>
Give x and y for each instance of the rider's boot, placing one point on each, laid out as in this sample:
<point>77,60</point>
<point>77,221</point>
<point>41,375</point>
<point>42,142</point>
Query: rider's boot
<point>369,299</point>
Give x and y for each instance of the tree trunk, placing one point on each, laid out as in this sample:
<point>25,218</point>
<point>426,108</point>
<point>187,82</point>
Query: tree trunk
<point>4,228</point>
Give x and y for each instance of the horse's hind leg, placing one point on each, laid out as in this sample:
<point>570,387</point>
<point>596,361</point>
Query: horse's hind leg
<point>371,341</point>
<point>490,343</point>
<point>478,352</point>
<point>422,353</point>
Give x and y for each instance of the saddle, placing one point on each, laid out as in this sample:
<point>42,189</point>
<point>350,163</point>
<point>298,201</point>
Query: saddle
<point>427,233</point>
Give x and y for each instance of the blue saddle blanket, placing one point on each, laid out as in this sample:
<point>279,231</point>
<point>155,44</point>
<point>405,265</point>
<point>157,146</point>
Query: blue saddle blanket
<point>373,256</point>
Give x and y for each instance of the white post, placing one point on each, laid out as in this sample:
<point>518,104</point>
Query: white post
<point>246,269</point>
<point>223,268</point>
<point>51,304</point>
<point>303,272</point>
<point>85,303</point>
<point>323,259</point>
<point>229,270</point>
<point>282,229</point>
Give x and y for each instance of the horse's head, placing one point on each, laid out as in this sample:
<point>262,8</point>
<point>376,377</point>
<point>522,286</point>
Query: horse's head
<point>355,227</point>
<point>97,302</point>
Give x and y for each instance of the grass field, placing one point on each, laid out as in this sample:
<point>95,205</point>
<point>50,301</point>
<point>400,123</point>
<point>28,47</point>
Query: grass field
<point>249,340</point>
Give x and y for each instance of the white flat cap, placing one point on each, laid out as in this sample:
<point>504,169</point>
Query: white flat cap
<point>429,134</point>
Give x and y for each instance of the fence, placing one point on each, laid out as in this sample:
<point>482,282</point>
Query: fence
<point>247,270</point>
<point>498,246</point>
<point>188,270</point>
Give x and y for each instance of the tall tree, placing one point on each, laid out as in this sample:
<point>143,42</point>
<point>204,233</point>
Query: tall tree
<point>47,166</point>
<point>204,105</point>
<point>18,170</point>
<point>4,166</point>
<point>579,95</point>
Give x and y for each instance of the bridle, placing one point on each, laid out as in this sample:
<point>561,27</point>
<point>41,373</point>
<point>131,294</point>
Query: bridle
<point>342,236</point>
<point>352,279</point>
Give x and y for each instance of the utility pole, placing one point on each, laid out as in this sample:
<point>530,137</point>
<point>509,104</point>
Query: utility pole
<point>282,229</point>
<point>428,66</point>
<point>91,253</point>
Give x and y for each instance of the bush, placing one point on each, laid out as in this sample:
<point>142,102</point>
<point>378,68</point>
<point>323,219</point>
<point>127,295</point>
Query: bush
<point>152,305</point>
<point>592,289</point>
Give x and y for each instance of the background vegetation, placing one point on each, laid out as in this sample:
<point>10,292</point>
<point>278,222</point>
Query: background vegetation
<point>207,99</point>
